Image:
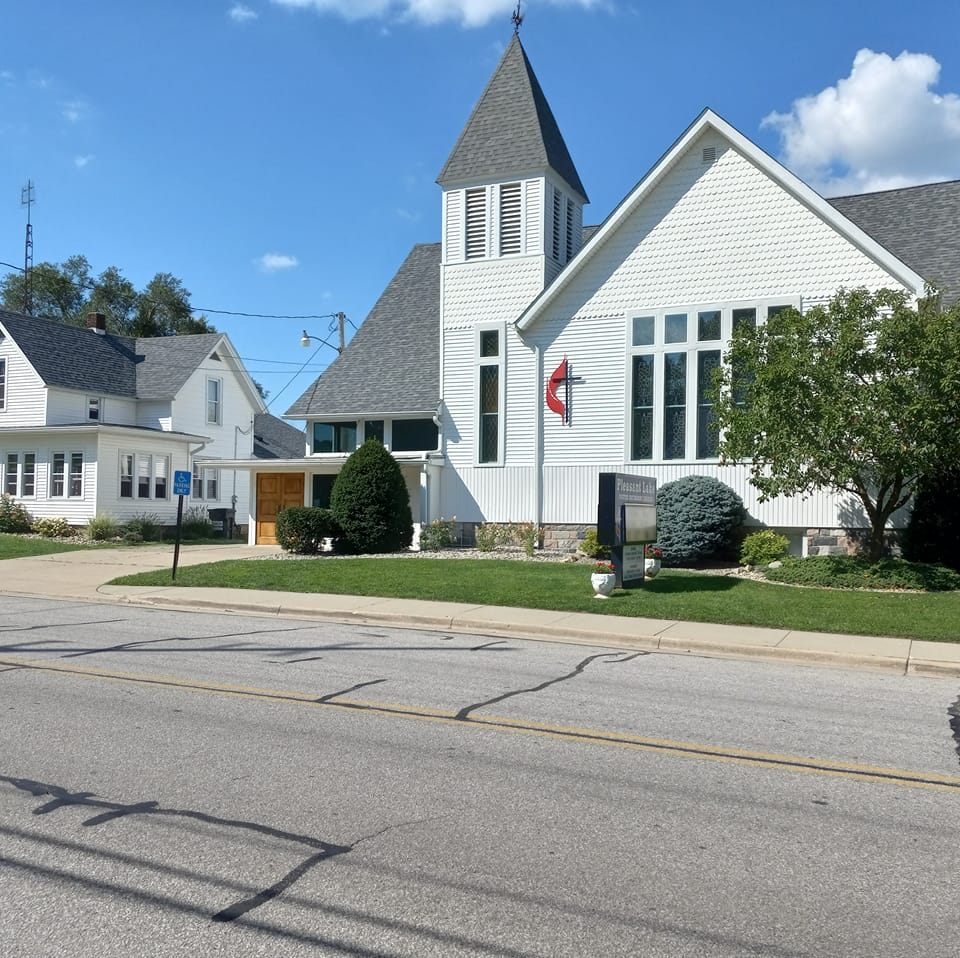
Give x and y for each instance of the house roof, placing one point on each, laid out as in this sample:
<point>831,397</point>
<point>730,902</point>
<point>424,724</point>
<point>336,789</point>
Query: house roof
<point>919,224</point>
<point>392,364</point>
<point>168,361</point>
<point>275,439</point>
<point>71,357</point>
<point>511,130</point>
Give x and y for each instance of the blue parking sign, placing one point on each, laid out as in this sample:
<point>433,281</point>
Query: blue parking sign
<point>182,479</point>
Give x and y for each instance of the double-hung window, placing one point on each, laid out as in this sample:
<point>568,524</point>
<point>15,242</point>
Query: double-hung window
<point>206,484</point>
<point>94,409</point>
<point>143,476</point>
<point>674,355</point>
<point>58,473</point>
<point>20,474</point>
<point>126,475</point>
<point>490,349</point>
<point>11,473</point>
<point>3,385</point>
<point>214,401</point>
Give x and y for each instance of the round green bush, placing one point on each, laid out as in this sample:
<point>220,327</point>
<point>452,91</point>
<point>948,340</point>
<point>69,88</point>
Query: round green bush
<point>697,519</point>
<point>13,515</point>
<point>933,532</point>
<point>370,502</point>
<point>763,547</point>
<point>302,529</point>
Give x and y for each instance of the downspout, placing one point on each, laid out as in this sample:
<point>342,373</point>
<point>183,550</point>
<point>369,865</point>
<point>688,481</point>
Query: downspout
<point>237,431</point>
<point>538,442</point>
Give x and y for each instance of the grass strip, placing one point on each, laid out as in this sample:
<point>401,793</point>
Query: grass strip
<point>566,587</point>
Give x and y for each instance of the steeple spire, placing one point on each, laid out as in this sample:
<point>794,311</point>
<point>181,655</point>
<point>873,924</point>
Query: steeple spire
<point>511,131</point>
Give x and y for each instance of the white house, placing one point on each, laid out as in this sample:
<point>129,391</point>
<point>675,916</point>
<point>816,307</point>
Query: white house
<point>93,423</point>
<point>509,364</point>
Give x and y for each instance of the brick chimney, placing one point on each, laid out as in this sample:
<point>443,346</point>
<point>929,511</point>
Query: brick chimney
<point>98,323</point>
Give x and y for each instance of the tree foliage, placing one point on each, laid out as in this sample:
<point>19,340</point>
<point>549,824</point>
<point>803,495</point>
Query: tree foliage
<point>370,502</point>
<point>67,291</point>
<point>861,396</point>
<point>933,532</point>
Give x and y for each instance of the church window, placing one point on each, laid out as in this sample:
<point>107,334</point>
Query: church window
<point>673,357</point>
<point>476,223</point>
<point>510,219</point>
<point>489,395</point>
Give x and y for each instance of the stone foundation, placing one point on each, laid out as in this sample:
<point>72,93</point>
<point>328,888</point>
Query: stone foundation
<point>556,538</point>
<point>844,542</point>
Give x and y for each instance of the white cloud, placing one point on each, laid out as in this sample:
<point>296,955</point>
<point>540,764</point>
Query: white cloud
<point>74,111</point>
<point>7,77</point>
<point>238,13</point>
<point>470,13</point>
<point>882,127</point>
<point>275,262</point>
<point>82,161</point>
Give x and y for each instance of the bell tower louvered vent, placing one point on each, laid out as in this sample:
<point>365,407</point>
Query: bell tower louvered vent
<point>476,247</point>
<point>709,154</point>
<point>511,237</point>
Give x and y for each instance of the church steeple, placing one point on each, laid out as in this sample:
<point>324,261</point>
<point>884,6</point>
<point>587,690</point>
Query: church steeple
<point>511,131</point>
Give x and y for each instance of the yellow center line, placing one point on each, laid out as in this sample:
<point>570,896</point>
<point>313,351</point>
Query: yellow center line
<point>571,733</point>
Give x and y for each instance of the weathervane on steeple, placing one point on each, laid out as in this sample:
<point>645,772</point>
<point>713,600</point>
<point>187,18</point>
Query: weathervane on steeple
<point>517,19</point>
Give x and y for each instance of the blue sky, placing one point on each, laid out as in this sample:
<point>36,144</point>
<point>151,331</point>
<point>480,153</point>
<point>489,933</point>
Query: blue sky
<point>279,156</point>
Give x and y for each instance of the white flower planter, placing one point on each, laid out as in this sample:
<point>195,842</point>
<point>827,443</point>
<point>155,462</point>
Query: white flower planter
<point>651,567</point>
<point>603,584</point>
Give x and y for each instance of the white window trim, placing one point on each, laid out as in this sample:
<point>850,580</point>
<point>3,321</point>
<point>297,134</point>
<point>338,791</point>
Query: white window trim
<point>133,475</point>
<point>500,362</point>
<point>68,472</point>
<point>135,485</point>
<point>201,478</point>
<point>100,407</point>
<point>22,463</point>
<point>5,370</point>
<point>4,472</point>
<point>50,478</point>
<point>219,420</point>
<point>690,348</point>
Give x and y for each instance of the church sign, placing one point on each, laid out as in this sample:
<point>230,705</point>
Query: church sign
<point>626,520</point>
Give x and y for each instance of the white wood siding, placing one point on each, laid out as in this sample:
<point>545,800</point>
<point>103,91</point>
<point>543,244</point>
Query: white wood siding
<point>155,414</point>
<point>227,439</point>
<point>26,394</point>
<point>65,406</point>
<point>76,510</point>
<point>108,489</point>
<point>481,494</point>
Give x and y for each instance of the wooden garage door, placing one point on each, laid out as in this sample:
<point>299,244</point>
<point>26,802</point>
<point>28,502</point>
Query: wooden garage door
<point>275,491</point>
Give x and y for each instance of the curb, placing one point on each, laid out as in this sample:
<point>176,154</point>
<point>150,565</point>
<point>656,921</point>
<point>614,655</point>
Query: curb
<point>904,665</point>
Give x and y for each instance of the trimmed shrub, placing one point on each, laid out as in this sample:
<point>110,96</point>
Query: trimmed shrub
<point>589,546</point>
<point>13,515</point>
<point>102,527</point>
<point>146,525</point>
<point>858,572</point>
<point>196,524</point>
<point>370,502</point>
<point>302,529</point>
<point>52,528</point>
<point>933,532</point>
<point>437,535</point>
<point>763,547</point>
<point>698,518</point>
<point>491,535</point>
<point>528,535</point>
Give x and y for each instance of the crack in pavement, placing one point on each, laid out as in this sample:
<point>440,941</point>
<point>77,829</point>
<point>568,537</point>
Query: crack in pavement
<point>617,657</point>
<point>353,688</point>
<point>57,625</point>
<point>63,798</point>
<point>488,645</point>
<point>954,713</point>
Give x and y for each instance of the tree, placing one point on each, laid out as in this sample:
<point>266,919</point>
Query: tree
<point>370,501</point>
<point>861,396</point>
<point>67,292</point>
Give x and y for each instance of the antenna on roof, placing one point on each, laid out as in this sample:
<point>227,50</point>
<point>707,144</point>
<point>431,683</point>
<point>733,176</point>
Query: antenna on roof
<point>517,19</point>
<point>27,200</point>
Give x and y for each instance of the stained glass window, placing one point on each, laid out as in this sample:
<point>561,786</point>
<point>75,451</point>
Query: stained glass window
<point>708,325</point>
<point>489,413</point>
<point>675,328</point>
<point>674,405</point>
<point>642,440</point>
<point>707,364</point>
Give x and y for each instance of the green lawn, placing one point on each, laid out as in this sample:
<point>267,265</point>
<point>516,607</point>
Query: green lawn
<point>566,587</point>
<point>16,547</point>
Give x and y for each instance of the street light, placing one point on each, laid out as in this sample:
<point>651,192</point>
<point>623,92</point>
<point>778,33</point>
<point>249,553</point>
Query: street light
<point>340,320</point>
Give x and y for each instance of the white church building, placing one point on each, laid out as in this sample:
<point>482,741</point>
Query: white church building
<point>509,364</point>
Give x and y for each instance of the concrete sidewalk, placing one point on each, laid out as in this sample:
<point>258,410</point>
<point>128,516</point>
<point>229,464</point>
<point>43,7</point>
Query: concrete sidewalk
<point>82,575</point>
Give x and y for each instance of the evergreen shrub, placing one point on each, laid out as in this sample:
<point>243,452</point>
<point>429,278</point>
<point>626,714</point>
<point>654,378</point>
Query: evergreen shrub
<point>933,532</point>
<point>52,528</point>
<point>370,502</point>
<point>589,546</point>
<point>763,547</point>
<point>698,518</point>
<point>437,535</point>
<point>13,515</point>
<point>858,572</point>
<point>302,529</point>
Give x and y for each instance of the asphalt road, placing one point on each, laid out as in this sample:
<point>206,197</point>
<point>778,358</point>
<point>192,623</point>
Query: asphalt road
<point>188,784</point>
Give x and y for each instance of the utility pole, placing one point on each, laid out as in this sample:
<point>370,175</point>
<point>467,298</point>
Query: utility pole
<point>27,200</point>
<point>341,320</point>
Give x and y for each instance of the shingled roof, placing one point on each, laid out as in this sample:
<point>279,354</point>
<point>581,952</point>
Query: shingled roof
<point>511,130</point>
<point>69,357</point>
<point>275,439</point>
<point>392,364</point>
<point>920,225</point>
